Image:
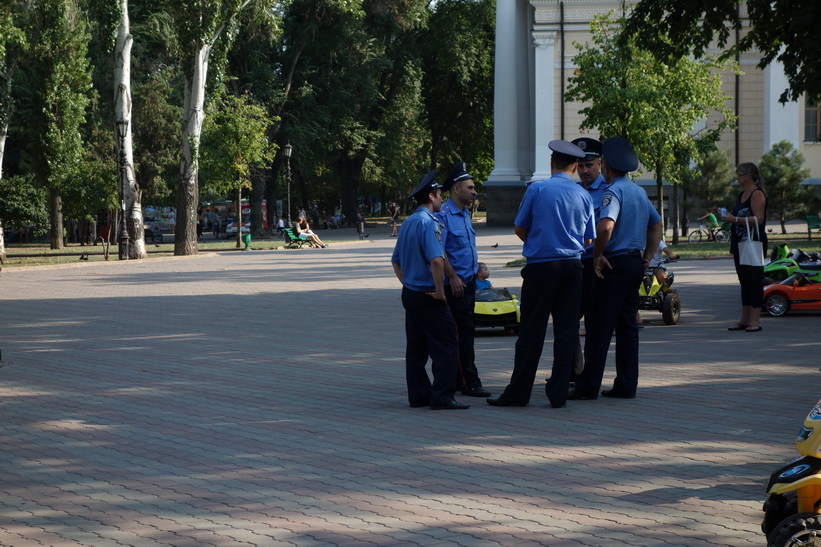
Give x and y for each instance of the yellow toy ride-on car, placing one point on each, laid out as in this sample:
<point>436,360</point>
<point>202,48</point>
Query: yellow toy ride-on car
<point>497,308</point>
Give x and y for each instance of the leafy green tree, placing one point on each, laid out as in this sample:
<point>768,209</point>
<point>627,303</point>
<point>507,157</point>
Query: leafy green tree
<point>53,94</point>
<point>234,140</point>
<point>709,183</point>
<point>653,104</point>
<point>22,203</point>
<point>12,45</point>
<point>785,30</point>
<point>158,98</point>
<point>782,171</point>
<point>349,78</point>
<point>457,56</point>
<point>204,33</point>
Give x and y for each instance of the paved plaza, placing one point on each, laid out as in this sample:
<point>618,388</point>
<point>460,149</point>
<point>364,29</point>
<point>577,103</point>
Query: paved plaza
<point>258,398</point>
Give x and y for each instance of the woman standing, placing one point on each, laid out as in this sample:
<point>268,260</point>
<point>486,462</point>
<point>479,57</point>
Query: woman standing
<point>752,204</point>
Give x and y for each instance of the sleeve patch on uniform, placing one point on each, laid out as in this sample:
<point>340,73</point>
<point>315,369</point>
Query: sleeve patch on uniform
<point>606,199</point>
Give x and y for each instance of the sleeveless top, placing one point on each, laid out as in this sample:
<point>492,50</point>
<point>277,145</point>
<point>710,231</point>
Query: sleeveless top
<point>738,232</point>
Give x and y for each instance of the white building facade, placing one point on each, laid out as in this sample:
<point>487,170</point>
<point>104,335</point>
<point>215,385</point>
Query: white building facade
<point>534,59</point>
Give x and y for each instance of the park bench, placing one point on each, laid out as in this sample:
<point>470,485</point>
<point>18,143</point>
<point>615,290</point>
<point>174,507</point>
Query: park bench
<point>292,240</point>
<point>813,223</point>
<point>151,235</point>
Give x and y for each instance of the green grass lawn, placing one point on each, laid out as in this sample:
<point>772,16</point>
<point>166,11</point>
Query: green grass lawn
<point>39,254</point>
<point>710,250</point>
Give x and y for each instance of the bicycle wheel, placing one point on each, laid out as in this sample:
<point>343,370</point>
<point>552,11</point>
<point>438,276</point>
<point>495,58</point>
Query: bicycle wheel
<point>722,236</point>
<point>694,237</point>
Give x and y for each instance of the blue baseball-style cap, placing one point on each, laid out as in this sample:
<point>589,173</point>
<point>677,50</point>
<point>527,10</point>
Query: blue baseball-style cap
<point>619,154</point>
<point>427,185</point>
<point>458,173</point>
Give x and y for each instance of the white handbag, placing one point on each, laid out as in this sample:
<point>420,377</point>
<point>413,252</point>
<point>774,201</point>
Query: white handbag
<point>751,252</point>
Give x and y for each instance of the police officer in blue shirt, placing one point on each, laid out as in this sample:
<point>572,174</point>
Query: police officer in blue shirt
<point>628,235</point>
<point>555,222</point>
<point>419,263</point>
<point>461,265</point>
<point>591,179</point>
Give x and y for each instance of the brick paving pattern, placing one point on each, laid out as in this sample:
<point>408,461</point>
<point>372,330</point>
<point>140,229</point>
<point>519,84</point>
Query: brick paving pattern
<point>258,398</point>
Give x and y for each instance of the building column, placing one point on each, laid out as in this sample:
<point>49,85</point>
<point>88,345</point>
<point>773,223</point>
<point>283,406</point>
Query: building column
<point>545,125</point>
<point>506,94</point>
<point>781,121</point>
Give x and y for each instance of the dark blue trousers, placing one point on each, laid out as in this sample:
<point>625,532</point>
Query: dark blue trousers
<point>462,311</point>
<point>430,331</point>
<point>549,288</point>
<point>614,306</point>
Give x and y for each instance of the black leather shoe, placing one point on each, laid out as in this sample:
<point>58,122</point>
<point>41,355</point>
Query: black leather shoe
<point>576,395</point>
<point>476,392</point>
<point>499,401</point>
<point>616,394</point>
<point>419,404</point>
<point>453,404</point>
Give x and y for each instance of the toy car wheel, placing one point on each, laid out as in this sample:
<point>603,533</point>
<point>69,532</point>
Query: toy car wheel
<point>671,308</point>
<point>777,508</point>
<point>694,237</point>
<point>721,236</point>
<point>800,529</point>
<point>777,304</point>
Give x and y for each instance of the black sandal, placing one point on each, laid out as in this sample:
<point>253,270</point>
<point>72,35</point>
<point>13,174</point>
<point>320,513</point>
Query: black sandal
<point>739,326</point>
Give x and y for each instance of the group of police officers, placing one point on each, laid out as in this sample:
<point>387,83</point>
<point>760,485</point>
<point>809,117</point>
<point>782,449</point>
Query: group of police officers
<point>587,246</point>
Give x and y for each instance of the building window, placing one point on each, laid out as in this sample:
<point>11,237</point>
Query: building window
<point>812,122</point>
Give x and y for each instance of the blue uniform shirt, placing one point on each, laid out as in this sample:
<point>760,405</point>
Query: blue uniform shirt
<point>558,215</point>
<point>459,241</point>
<point>628,205</point>
<point>417,245</point>
<point>596,191</point>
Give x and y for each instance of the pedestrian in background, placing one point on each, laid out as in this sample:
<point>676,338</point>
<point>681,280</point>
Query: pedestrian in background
<point>750,209</point>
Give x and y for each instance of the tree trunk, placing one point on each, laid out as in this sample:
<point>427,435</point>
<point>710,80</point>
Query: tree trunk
<point>3,132</point>
<point>55,203</point>
<point>350,172</point>
<point>674,202</point>
<point>185,237</point>
<point>255,197</point>
<point>238,216</point>
<point>130,193</point>
<point>660,196</point>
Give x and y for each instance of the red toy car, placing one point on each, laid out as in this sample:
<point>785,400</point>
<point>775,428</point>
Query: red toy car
<point>797,292</point>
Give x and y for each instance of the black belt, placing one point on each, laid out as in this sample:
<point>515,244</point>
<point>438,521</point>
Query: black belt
<point>628,253</point>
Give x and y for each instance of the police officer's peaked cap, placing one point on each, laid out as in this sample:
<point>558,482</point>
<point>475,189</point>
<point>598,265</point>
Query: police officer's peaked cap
<point>590,147</point>
<point>425,187</point>
<point>619,154</point>
<point>458,173</point>
<point>566,151</point>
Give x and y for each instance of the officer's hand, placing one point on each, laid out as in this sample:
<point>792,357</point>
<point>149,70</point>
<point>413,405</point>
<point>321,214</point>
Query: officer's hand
<point>599,265</point>
<point>457,288</point>
<point>438,296</point>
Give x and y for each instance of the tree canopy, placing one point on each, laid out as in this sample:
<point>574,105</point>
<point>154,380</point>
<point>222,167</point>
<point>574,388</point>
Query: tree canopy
<point>654,104</point>
<point>783,30</point>
<point>358,87</point>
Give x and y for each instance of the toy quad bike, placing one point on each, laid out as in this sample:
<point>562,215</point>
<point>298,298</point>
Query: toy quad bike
<point>659,296</point>
<point>784,262</point>
<point>791,512</point>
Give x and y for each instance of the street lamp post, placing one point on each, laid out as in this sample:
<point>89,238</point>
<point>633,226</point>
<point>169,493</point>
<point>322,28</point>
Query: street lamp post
<point>288,151</point>
<point>122,233</point>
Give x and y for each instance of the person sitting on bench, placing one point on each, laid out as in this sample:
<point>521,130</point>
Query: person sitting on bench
<point>304,232</point>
